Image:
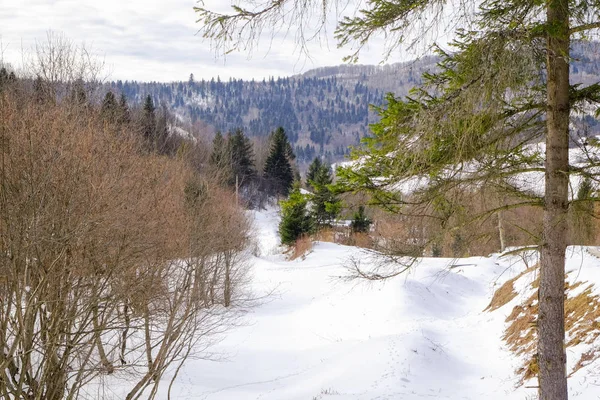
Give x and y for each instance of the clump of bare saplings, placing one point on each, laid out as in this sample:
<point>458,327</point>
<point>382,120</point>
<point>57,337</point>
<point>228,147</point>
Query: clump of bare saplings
<point>116,263</point>
<point>478,222</point>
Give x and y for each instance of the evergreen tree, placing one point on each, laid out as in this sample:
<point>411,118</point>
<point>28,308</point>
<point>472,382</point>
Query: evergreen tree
<point>295,218</point>
<point>4,77</point>
<point>78,95</point>
<point>161,134</point>
<point>149,120</point>
<point>313,170</point>
<point>241,156</point>
<point>124,115</point>
<point>110,108</point>
<point>360,222</point>
<point>326,205</point>
<point>278,172</point>
<point>41,90</point>
<point>582,212</point>
<point>218,157</point>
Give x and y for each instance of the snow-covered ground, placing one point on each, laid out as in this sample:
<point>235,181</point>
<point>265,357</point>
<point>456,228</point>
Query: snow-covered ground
<point>424,334</point>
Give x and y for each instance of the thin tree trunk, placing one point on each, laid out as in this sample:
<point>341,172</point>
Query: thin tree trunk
<point>551,322</point>
<point>501,232</point>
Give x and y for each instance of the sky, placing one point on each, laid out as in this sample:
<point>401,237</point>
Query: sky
<point>157,40</point>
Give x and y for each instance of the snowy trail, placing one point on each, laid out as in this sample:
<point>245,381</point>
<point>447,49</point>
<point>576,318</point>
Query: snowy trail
<point>421,335</point>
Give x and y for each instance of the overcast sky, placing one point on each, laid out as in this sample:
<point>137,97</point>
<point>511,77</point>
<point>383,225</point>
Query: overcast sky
<point>155,40</point>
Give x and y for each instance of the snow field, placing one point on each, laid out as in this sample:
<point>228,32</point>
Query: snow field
<point>424,334</point>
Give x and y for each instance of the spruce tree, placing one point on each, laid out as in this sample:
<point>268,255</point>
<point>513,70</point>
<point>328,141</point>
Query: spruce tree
<point>218,157</point>
<point>110,108</point>
<point>326,205</point>
<point>149,120</point>
<point>6,78</point>
<point>124,115</point>
<point>78,96</point>
<point>278,172</point>
<point>296,221</point>
<point>161,134</point>
<point>313,170</point>
<point>360,222</point>
<point>41,90</point>
<point>3,78</point>
<point>241,157</point>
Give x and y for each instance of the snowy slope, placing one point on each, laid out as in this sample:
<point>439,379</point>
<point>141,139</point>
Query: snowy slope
<point>421,335</point>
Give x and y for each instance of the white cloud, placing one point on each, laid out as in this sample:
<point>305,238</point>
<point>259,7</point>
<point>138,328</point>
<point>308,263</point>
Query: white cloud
<point>156,40</point>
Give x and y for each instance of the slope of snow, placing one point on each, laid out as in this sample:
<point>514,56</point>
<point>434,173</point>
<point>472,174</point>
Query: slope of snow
<point>420,335</point>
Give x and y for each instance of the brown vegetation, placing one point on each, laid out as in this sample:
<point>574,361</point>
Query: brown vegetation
<point>301,248</point>
<point>582,322</point>
<point>91,226</point>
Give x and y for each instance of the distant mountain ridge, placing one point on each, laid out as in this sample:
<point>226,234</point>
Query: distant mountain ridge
<point>324,110</point>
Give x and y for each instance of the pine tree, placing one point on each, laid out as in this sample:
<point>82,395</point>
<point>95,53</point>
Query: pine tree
<point>295,218</point>
<point>313,170</point>
<point>278,172</point>
<point>582,212</point>
<point>3,78</point>
<point>241,157</point>
<point>78,96</point>
<point>218,157</point>
<point>326,205</point>
<point>360,222</point>
<point>41,90</point>
<point>149,120</point>
<point>110,108</point>
<point>6,78</point>
<point>124,115</point>
<point>161,134</point>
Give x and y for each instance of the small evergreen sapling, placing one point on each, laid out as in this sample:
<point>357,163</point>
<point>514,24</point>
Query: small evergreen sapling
<point>326,205</point>
<point>360,222</point>
<point>314,167</point>
<point>296,221</point>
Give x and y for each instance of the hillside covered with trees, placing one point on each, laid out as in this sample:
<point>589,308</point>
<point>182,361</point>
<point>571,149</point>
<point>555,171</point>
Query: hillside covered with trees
<point>323,111</point>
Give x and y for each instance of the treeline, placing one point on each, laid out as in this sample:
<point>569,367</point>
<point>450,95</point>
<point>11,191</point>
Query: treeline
<point>322,116</point>
<point>120,253</point>
<point>233,162</point>
<point>324,111</point>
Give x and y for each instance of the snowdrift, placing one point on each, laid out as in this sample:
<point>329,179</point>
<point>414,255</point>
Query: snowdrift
<point>432,333</point>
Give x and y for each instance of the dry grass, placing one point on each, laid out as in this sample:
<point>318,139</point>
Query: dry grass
<point>506,292</point>
<point>326,235</point>
<point>582,323</point>
<point>503,295</point>
<point>360,240</point>
<point>301,248</point>
<point>344,236</point>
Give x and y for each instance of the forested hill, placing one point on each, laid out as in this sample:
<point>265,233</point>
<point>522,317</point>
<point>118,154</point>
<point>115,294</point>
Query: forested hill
<point>323,110</point>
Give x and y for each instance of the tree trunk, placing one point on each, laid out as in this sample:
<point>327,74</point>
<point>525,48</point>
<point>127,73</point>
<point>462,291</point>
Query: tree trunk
<point>501,232</point>
<point>551,322</point>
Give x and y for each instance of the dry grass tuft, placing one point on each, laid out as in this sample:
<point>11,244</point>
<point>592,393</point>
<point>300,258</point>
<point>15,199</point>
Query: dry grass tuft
<point>326,235</point>
<point>506,292</point>
<point>301,248</point>
<point>503,295</point>
<point>582,323</point>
